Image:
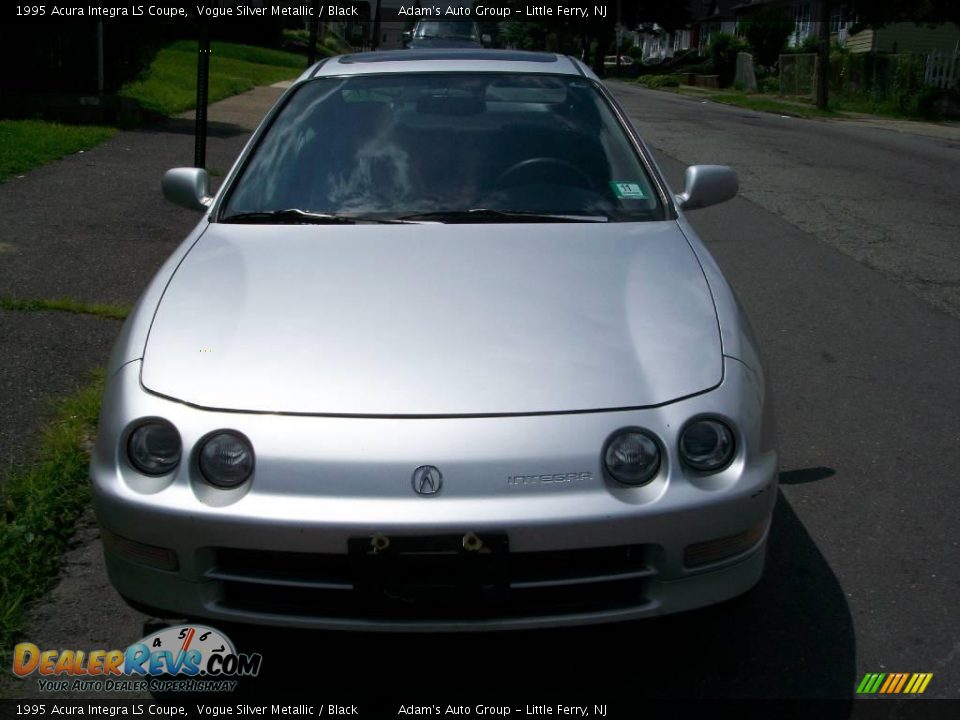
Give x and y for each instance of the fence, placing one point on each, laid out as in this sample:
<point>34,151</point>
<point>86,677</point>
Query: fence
<point>943,70</point>
<point>906,83</point>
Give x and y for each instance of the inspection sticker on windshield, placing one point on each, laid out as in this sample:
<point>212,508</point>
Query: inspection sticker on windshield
<point>627,190</point>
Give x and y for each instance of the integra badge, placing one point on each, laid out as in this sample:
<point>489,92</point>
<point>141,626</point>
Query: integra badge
<point>519,480</point>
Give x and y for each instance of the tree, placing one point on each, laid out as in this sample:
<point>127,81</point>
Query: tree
<point>823,54</point>
<point>594,31</point>
<point>724,49</point>
<point>767,29</point>
<point>59,55</point>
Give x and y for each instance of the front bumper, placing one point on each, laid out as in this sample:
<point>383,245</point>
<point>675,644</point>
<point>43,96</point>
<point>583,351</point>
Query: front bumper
<point>581,550</point>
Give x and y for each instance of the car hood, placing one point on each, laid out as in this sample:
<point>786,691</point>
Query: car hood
<point>435,319</point>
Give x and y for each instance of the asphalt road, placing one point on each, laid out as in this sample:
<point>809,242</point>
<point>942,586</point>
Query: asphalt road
<point>843,249</point>
<point>865,359</point>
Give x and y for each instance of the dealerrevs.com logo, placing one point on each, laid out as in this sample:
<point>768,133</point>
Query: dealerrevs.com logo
<point>894,683</point>
<point>190,658</point>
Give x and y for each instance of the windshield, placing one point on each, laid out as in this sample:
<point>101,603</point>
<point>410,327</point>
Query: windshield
<point>446,148</point>
<point>458,30</point>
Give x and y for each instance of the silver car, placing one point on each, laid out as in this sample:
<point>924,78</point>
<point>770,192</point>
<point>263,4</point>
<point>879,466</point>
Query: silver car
<point>442,354</point>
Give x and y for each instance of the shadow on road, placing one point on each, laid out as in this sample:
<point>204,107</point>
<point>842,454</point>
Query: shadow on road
<point>791,637</point>
<point>807,475</point>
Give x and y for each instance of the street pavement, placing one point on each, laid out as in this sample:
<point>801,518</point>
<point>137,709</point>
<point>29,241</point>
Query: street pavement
<point>846,256</point>
<point>842,247</point>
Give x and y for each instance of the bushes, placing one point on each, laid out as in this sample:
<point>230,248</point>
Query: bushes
<point>703,68</point>
<point>723,53</point>
<point>769,85</point>
<point>659,81</point>
<point>767,30</point>
<point>887,84</point>
<point>59,55</point>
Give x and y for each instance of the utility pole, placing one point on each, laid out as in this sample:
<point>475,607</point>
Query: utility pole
<point>203,86</point>
<point>100,58</point>
<point>375,40</point>
<point>619,35</point>
<point>823,55</point>
<point>314,29</point>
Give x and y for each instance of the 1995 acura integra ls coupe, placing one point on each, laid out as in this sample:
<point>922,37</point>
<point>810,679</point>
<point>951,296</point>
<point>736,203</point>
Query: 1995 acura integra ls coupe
<point>442,354</point>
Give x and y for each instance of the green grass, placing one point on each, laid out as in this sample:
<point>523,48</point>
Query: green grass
<point>117,312</point>
<point>794,107</point>
<point>840,104</point>
<point>247,53</point>
<point>40,505</point>
<point>26,144</point>
<point>762,103</point>
<point>170,85</point>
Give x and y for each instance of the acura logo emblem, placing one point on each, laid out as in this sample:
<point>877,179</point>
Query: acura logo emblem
<point>427,480</point>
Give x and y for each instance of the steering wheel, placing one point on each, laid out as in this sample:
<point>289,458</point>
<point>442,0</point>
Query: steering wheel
<point>553,169</point>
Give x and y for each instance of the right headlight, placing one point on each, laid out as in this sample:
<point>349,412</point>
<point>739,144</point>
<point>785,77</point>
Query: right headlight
<point>226,459</point>
<point>706,445</point>
<point>632,457</point>
<point>154,447</point>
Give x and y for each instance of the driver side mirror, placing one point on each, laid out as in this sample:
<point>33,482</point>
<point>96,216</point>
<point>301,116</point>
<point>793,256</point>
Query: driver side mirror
<point>187,187</point>
<point>707,185</point>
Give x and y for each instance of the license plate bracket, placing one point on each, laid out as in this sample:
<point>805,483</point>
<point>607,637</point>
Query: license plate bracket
<point>432,570</point>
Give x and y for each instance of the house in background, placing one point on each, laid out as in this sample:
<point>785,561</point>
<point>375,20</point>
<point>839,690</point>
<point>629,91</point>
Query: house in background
<point>728,16</point>
<point>709,17</point>
<point>894,38</point>
<point>906,38</point>
<point>803,14</point>
<point>658,44</point>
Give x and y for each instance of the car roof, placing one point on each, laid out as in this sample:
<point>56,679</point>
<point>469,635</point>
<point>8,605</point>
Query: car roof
<point>448,60</point>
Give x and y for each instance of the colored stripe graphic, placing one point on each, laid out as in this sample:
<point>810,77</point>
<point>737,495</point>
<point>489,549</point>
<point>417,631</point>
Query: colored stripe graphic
<point>901,683</point>
<point>865,683</point>
<point>894,683</point>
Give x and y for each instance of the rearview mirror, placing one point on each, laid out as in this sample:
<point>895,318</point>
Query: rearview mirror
<point>707,185</point>
<point>187,187</point>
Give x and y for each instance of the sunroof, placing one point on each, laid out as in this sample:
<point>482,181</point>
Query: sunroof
<point>440,54</point>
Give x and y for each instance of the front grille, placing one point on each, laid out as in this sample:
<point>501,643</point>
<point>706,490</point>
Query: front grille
<point>535,584</point>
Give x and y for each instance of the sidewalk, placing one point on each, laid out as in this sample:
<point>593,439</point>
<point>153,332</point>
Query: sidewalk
<point>244,110</point>
<point>944,130</point>
<point>93,227</point>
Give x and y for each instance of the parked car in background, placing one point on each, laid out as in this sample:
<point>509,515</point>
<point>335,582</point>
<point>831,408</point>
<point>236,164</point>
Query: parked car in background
<point>444,34</point>
<point>442,353</point>
<point>611,61</point>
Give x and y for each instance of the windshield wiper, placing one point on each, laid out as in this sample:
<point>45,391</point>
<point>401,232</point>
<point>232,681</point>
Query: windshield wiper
<point>295,216</point>
<point>479,215</point>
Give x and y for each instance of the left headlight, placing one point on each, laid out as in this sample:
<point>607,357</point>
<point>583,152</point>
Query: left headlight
<point>154,447</point>
<point>226,459</point>
<point>706,445</point>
